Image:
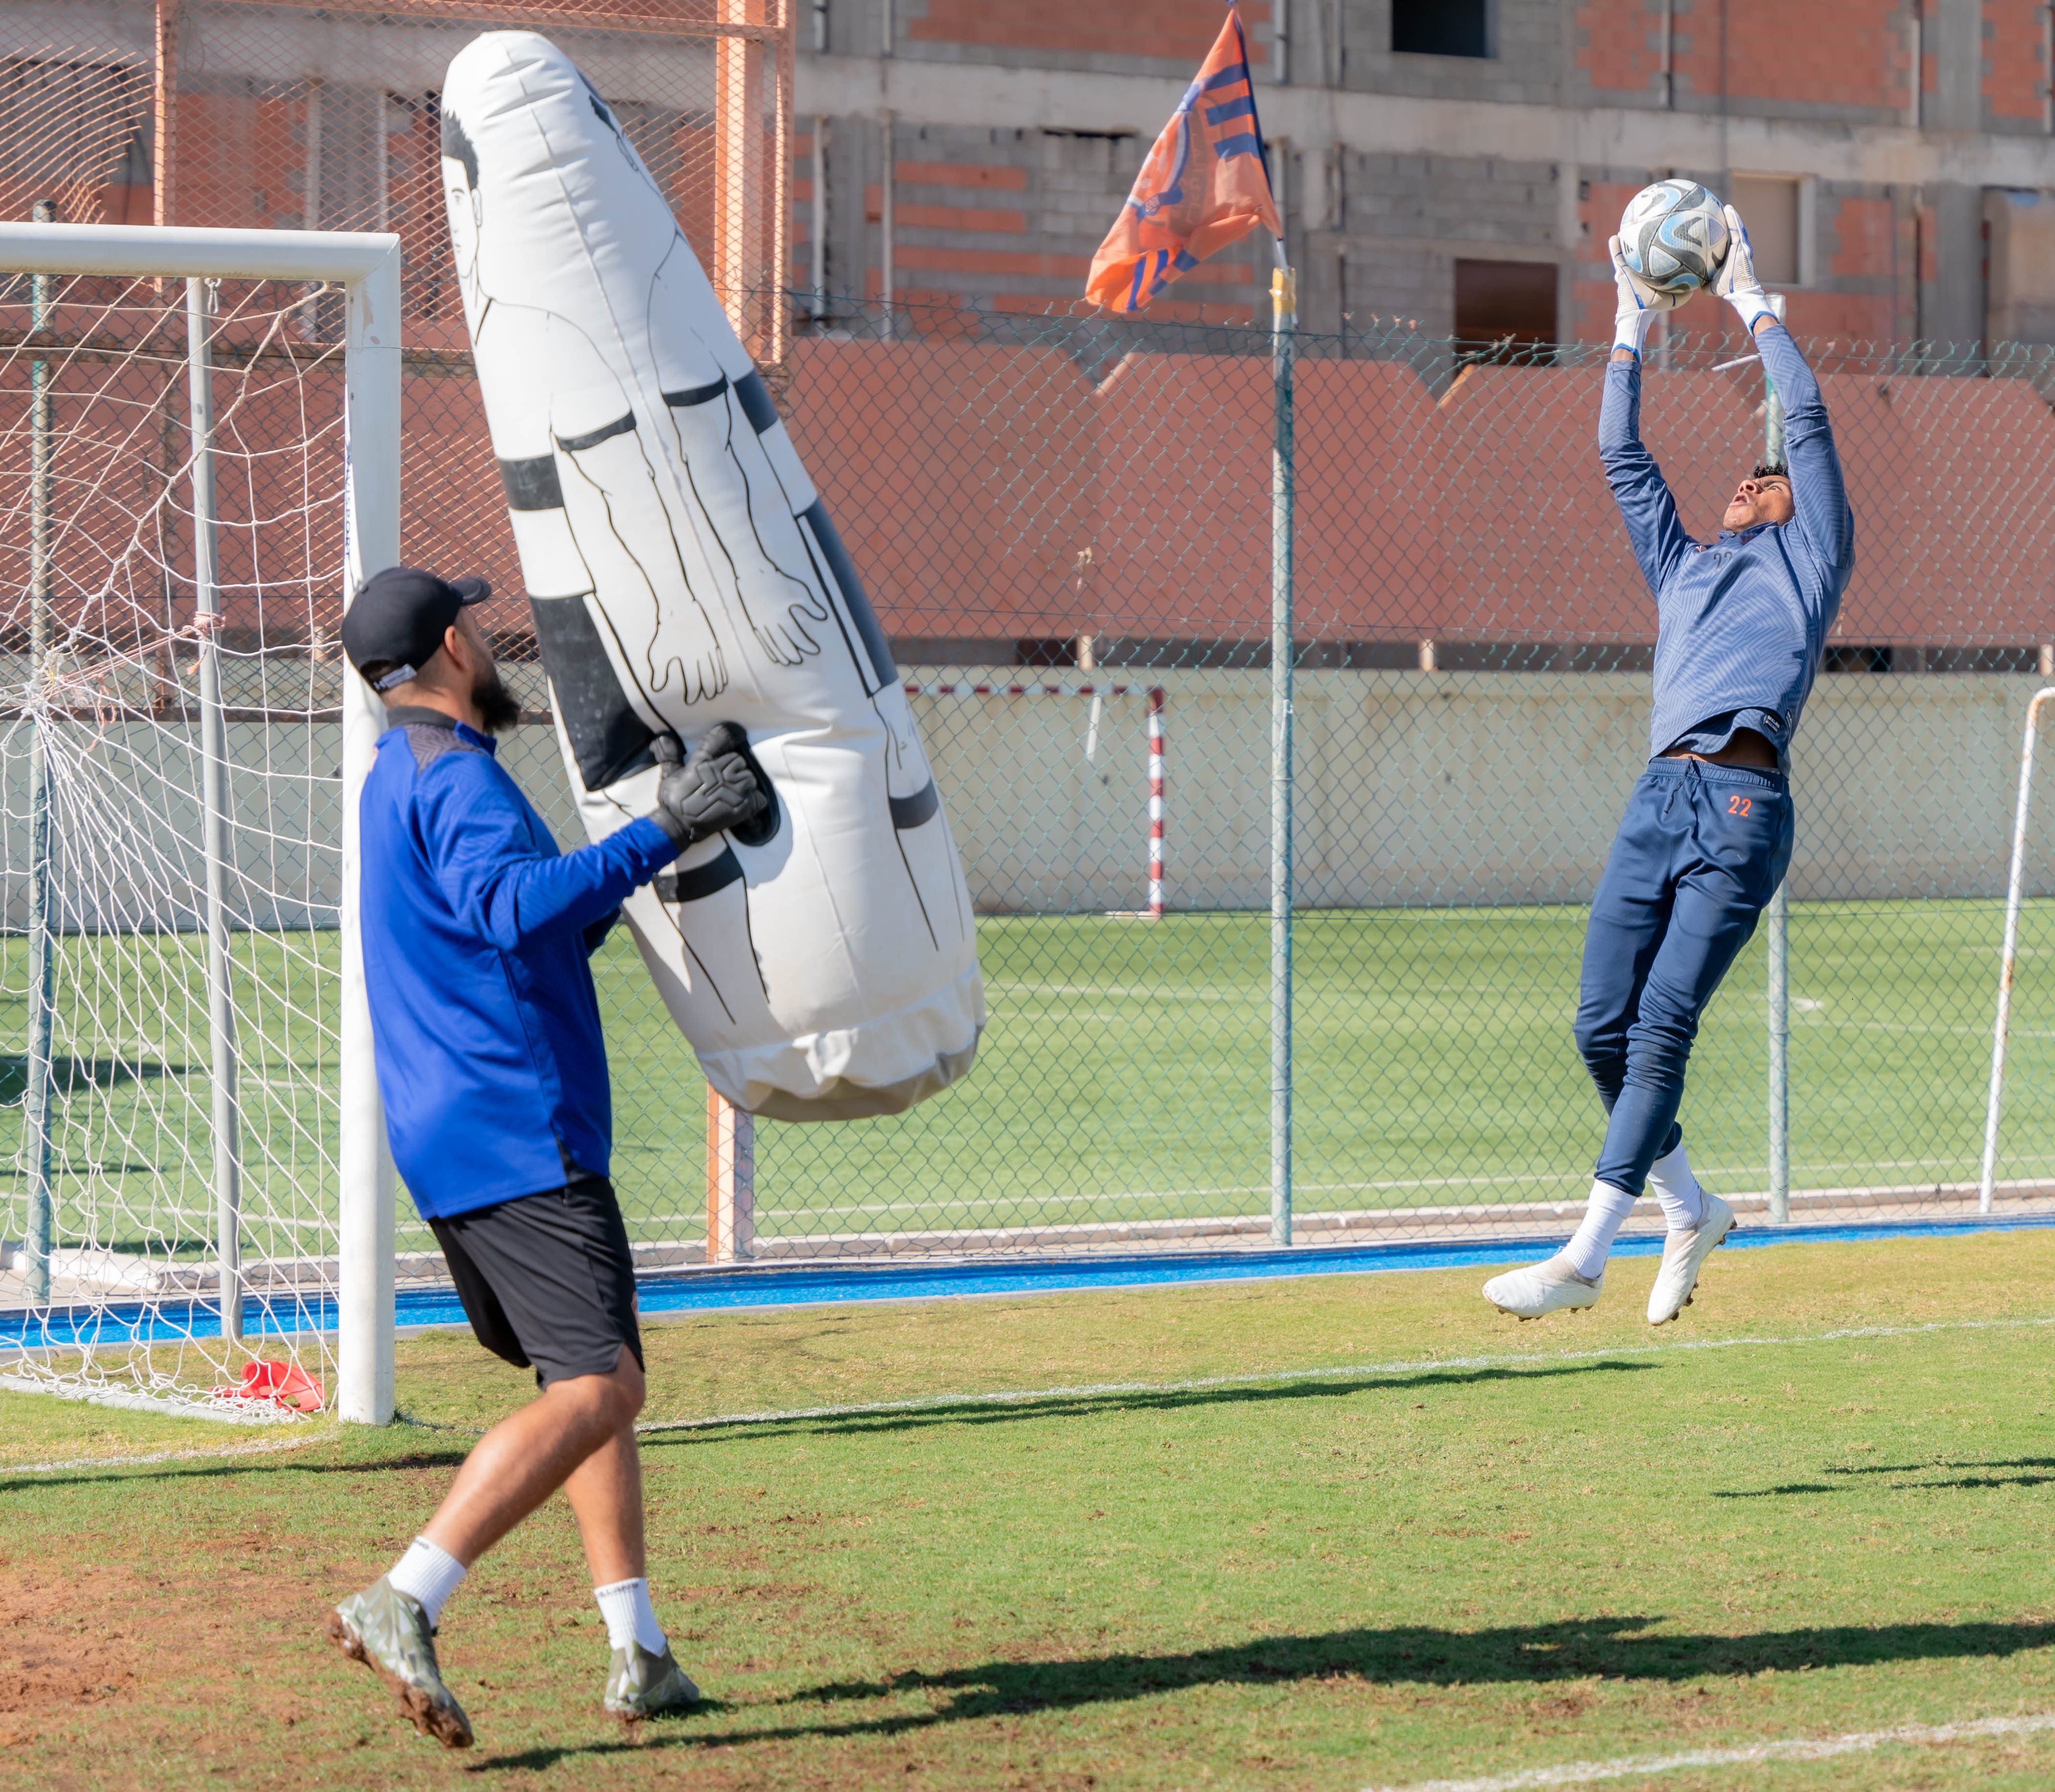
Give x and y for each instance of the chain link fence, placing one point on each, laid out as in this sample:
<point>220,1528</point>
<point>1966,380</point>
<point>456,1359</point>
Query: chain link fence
<point>1064,524</point>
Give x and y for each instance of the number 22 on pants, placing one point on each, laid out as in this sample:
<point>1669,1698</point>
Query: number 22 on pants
<point>1740,805</point>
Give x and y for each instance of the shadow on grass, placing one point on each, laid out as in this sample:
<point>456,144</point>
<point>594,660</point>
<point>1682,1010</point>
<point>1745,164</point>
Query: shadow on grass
<point>1791,1489</point>
<point>1005,1411</point>
<point>286,1462</point>
<point>1618,1648</point>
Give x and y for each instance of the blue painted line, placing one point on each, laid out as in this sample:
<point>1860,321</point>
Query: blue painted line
<point>734,1290</point>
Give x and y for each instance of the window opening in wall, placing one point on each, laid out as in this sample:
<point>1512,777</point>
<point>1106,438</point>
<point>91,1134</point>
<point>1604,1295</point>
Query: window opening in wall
<point>1769,205</point>
<point>1504,307</point>
<point>1440,27</point>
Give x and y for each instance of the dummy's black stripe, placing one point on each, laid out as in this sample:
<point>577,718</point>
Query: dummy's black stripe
<point>911,811</point>
<point>701,881</point>
<point>696,395</point>
<point>620,426</point>
<point>756,404</point>
<point>608,738</point>
<point>858,606</point>
<point>532,484</point>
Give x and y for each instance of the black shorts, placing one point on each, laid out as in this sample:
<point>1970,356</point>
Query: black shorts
<point>547,1279</point>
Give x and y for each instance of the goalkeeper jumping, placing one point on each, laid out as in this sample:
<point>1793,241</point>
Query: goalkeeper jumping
<point>493,1070</point>
<point>1743,622</point>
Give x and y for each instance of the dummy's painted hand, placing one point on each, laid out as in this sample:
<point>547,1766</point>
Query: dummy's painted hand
<point>1736,282</point>
<point>713,790</point>
<point>1639,302</point>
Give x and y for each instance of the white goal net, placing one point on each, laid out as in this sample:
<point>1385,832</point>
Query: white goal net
<point>179,523</point>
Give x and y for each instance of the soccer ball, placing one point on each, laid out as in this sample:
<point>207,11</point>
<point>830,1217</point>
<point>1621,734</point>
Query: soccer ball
<point>1674,234</point>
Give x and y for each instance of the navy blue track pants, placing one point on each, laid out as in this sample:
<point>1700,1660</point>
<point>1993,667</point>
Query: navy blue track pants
<point>1700,852</point>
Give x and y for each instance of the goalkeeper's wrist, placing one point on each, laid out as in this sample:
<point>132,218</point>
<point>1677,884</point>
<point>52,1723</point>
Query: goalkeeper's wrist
<point>1628,329</point>
<point>1752,307</point>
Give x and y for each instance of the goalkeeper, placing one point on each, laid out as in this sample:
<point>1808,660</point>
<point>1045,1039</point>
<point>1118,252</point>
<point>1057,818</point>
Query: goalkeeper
<point>476,931</point>
<point>1742,621</point>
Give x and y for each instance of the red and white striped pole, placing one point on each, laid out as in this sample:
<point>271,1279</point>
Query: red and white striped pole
<point>1156,802</point>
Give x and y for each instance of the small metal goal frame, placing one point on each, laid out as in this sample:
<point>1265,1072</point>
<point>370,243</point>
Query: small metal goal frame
<point>366,267</point>
<point>2015,895</point>
<point>1154,693</point>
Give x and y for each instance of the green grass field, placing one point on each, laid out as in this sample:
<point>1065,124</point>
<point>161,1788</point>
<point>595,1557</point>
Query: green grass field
<point>1124,1075</point>
<point>1422,1542</point>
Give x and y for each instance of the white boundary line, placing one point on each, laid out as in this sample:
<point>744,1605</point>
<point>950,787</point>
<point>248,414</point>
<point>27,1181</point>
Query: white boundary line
<point>1584,1773</point>
<point>943,1403</point>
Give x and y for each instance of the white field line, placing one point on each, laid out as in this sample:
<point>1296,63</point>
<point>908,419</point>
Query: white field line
<point>1825,1748</point>
<point>269,1448</point>
<point>943,1403</point>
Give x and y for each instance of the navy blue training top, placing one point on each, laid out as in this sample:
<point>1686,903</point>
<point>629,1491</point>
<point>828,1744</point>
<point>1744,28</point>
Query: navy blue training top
<point>490,1059</point>
<point>1741,620</point>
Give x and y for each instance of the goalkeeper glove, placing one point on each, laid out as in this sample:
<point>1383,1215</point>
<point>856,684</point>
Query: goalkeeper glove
<point>1736,282</point>
<point>713,790</point>
<point>1639,302</point>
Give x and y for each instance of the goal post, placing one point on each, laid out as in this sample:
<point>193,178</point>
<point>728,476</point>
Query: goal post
<point>115,689</point>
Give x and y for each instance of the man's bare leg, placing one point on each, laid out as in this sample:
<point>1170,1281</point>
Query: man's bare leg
<point>605,1493</point>
<point>524,1459</point>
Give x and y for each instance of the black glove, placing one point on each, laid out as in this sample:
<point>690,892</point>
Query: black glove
<point>713,790</point>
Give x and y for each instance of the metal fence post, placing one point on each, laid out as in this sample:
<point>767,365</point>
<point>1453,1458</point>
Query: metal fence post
<point>214,820</point>
<point>38,1100</point>
<point>731,1180</point>
<point>1283,323</point>
<point>1779,940</point>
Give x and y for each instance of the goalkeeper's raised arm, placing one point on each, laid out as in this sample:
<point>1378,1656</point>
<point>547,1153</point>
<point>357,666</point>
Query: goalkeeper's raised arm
<point>1742,622</point>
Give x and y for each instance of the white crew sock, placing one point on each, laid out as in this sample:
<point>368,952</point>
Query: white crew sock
<point>630,1618</point>
<point>428,1572</point>
<point>1604,1214</point>
<point>1676,1189</point>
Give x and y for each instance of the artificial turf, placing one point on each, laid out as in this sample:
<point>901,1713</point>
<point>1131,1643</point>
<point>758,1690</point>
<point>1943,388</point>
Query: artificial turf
<point>1483,1548</point>
<point>1124,1076</point>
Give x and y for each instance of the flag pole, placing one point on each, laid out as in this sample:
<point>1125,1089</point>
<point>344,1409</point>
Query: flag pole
<point>1284,326</point>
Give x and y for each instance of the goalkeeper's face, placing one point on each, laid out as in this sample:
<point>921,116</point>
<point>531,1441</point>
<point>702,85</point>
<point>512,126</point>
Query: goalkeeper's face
<point>1760,498</point>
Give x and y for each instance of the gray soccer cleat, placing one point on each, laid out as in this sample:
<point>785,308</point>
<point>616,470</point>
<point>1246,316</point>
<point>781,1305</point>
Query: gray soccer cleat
<point>388,1631</point>
<point>640,1684</point>
<point>1536,1288</point>
<point>1684,1253</point>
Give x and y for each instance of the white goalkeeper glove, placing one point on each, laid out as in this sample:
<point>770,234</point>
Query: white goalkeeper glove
<point>1639,302</point>
<point>1736,282</point>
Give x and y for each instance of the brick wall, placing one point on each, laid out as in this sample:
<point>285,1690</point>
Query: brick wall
<point>1077,33</point>
<point>1824,58</point>
<point>2015,69</point>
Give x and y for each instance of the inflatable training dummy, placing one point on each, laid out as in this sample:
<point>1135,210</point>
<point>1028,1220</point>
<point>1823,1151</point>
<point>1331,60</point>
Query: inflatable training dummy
<point>684,573</point>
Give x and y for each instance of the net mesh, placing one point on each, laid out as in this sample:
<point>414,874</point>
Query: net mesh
<point>150,1146</point>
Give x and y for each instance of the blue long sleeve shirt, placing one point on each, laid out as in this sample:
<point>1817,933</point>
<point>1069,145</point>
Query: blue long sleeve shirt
<point>491,1059</point>
<point>1743,621</point>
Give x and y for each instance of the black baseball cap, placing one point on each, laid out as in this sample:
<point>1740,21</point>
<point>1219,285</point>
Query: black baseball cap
<point>400,616</point>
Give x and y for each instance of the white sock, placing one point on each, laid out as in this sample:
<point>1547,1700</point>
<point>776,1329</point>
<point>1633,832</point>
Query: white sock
<point>1604,1214</point>
<point>1671,1182</point>
<point>630,1617</point>
<point>427,1573</point>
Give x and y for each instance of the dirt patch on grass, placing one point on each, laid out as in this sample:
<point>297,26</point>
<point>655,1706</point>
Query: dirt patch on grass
<point>66,1640</point>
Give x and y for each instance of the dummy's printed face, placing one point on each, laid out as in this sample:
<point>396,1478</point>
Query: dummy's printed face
<point>1767,500</point>
<point>466,213</point>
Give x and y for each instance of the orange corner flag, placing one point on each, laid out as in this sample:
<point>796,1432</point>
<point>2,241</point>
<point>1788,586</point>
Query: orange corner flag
<point>1203,184</point>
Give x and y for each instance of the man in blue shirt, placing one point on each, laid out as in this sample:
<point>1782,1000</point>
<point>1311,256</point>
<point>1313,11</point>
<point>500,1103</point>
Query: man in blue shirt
<point>1743,622</point>
<point>493,1070</point>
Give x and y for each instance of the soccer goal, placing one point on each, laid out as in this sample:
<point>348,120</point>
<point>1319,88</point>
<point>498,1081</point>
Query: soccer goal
<point>200,458</point>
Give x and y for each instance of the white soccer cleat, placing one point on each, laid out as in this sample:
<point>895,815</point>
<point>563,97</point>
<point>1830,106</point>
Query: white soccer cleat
<point>1536,1288</point>
<point>1683,1254</point>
